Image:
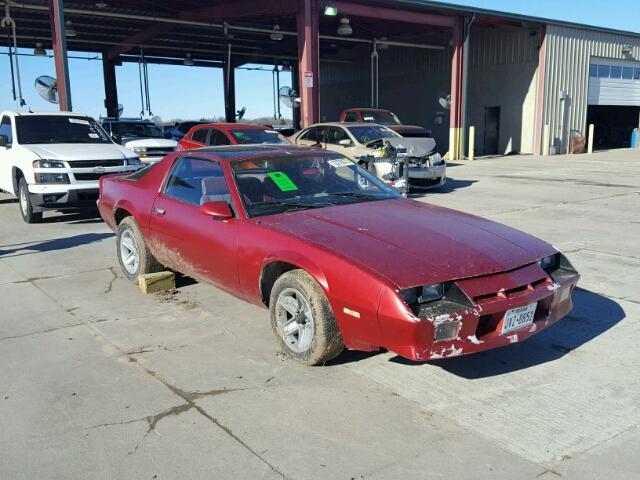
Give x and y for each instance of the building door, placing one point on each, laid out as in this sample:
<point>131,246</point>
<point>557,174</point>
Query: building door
<point>491,130</point>
<point>614,101</point>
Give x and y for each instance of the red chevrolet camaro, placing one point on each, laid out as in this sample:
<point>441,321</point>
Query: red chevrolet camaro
<point>218,134</point>
<point>338,257</point>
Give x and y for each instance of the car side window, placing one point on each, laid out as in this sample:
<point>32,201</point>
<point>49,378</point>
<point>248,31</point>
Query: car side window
<point>197,181</point>
<point>200,135</point>
<point>218,138</point>
<point>350,117</point>
<point>5,129</point>
<point>310,135</point>
<point>335,134</point>
<point>322,134</point>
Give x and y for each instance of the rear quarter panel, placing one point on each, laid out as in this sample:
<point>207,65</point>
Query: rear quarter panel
<point>135,196</point>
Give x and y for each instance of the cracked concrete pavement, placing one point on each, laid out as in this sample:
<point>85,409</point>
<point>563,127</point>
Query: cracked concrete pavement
<point>100,381</point>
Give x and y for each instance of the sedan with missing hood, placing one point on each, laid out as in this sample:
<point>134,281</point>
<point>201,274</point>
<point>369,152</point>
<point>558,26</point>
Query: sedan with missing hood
<point>376,147</point>
<point>336,255</point>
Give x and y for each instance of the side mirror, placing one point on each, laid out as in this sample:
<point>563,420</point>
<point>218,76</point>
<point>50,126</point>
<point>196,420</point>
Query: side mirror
<point>218,209</point>
<point>116,138</point>
<point>345,142</point>
<point>4,141</point>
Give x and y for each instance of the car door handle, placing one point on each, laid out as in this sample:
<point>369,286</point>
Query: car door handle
<point>159,211</point>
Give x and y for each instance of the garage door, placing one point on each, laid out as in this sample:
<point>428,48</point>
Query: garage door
<point>614,82</point>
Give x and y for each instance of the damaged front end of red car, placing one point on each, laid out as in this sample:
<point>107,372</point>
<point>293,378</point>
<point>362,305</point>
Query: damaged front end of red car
<point>470,315</point>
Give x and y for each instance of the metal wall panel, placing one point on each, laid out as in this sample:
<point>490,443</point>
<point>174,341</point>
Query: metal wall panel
<point>568,55</point>
<point>503,46</point>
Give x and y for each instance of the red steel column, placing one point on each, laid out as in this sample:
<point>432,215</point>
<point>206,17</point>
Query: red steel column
<point>457,100</point>
<point>309,61</point>
<point>60,54</point>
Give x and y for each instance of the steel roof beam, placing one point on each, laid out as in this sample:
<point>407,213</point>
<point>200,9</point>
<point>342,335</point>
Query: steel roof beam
<point>392,14</point>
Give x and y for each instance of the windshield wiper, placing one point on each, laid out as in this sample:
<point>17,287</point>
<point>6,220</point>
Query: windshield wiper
<point>356,195</point>
<point>294,205</point>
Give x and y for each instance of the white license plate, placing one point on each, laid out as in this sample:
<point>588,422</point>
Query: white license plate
<point>518,317</point>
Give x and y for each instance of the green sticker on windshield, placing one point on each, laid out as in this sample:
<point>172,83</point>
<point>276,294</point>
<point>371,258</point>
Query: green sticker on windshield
<point>282,181</point>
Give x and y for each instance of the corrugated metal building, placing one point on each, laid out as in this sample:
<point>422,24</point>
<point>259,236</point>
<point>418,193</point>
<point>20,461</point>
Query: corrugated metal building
<point>576,94</point>
<point>532,83</point>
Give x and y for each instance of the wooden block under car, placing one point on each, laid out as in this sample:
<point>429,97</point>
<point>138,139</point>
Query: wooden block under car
<point>157,282</point>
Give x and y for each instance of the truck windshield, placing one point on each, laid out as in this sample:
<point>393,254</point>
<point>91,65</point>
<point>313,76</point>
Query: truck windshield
<point>274,185</point>
<point>136,129</point>
<point>253,136</point>
<point>34,129</point>
<point>369,134</point>
<point>381,117</point>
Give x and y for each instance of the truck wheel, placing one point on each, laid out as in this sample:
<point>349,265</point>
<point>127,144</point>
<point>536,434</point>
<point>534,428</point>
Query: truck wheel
<point>302,319</point>
<point>133,253</point>
<point>26,208</point>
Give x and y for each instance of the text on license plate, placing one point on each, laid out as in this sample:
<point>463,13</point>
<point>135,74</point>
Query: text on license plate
<point>519,317</point>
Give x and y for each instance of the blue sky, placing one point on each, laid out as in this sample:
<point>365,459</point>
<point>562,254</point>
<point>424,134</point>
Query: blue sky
<point>195,92</point>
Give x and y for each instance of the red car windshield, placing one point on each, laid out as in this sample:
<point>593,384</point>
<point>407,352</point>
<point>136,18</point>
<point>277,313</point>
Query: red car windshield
<point>280,184</point>
<point>251,136</point>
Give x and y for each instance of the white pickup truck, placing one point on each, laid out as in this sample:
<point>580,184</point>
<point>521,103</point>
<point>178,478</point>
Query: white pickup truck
<point>53,160</point>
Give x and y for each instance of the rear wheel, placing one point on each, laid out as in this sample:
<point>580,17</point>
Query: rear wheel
<point>302,319</point>
<point>134,255</point>
<point>26,208</point>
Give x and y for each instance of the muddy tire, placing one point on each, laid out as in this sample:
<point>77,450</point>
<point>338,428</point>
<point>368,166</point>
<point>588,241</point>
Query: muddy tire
<point>302,319</point>
<point>134,255</point>
<point>26,208</point>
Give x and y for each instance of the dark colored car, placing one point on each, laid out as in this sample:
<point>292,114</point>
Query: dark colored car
<point>181,129</point>
<point>339,258</point>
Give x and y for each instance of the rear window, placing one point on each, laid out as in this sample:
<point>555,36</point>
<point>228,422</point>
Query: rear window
<point>200,135</point>
<point>256,136</point>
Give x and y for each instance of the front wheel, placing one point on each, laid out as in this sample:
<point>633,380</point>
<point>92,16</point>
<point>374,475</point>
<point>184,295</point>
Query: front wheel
<point>26,208</point>
<point>134,255</point>
<point>302,319</point>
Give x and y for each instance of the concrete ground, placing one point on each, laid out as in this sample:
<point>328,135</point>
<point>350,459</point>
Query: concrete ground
<point>101,382</point>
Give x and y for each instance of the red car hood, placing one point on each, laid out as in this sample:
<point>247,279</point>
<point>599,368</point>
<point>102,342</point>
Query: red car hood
<point>413,243</point>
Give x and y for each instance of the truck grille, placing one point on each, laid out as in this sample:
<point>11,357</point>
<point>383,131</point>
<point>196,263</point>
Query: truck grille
<point>96,163</point>
<point>88,176</point>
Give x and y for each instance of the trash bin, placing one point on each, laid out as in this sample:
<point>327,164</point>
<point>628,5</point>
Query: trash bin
<point>635,138</point>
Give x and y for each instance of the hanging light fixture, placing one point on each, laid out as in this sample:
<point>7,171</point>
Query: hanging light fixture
<point>39,51</point>
<point>330,10</point>
<point>286,67</point>
<point>345,28</point>
<point>70,31</point>
<point>276,34</point>
<point>188,60</point>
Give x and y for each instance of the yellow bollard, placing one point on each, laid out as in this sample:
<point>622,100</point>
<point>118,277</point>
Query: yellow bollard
<point>590,144</point>
<point>472,142</point>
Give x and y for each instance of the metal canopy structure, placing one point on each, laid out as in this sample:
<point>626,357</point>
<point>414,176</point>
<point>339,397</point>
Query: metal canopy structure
<point>228,34</point>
